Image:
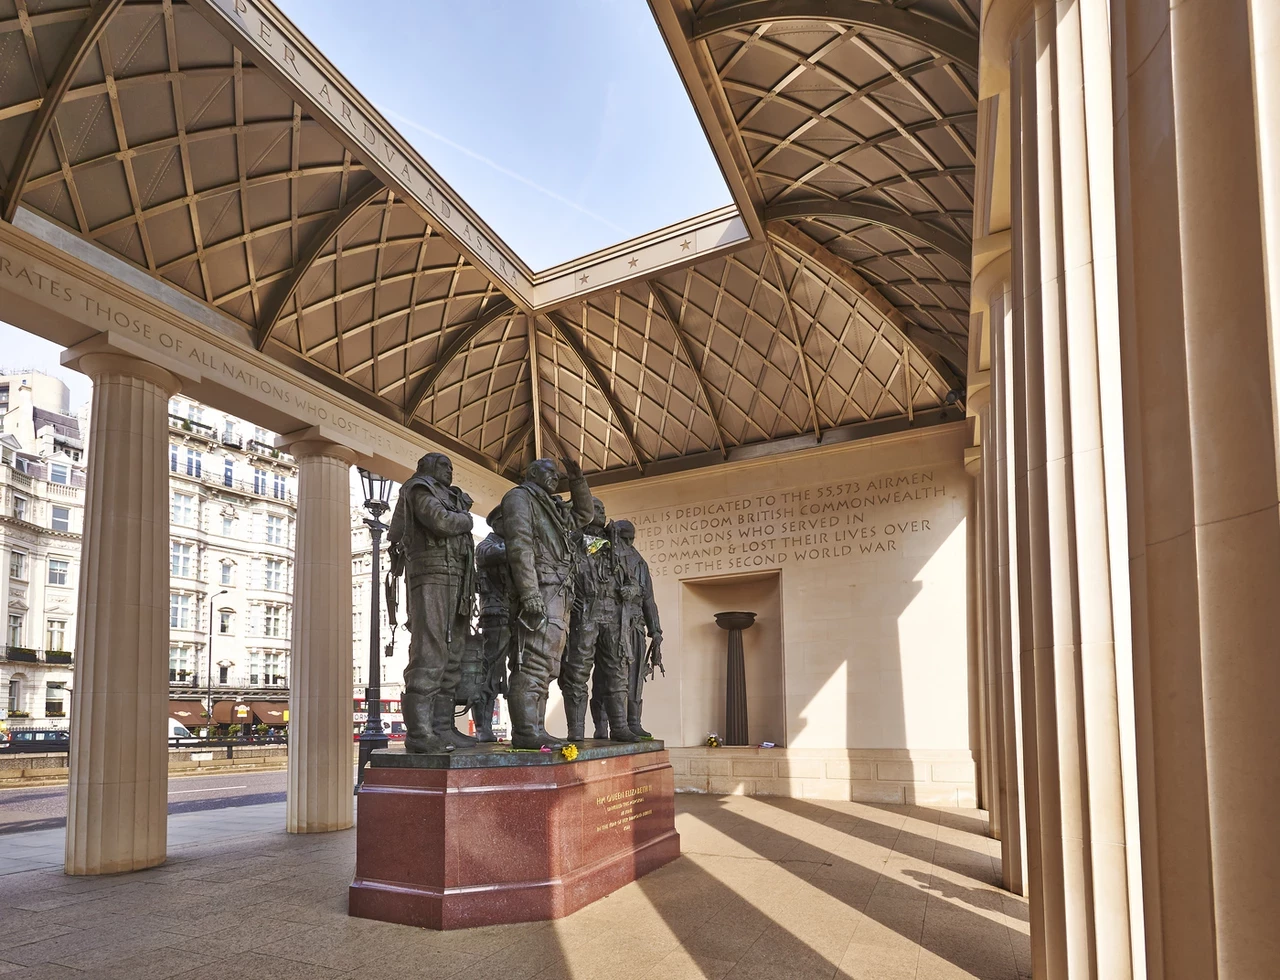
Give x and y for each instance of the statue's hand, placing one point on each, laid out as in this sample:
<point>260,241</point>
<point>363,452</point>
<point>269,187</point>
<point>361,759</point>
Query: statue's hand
<point>533,607</point>
<point>571,467</point>
<point>655,650</point>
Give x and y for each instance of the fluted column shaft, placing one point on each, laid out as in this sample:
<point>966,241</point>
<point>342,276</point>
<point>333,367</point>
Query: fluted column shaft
<point>1195,132</point>
<point>1066,350</point>
<point>319,795</point>
<point>980,513</point>
<point>1044,852</point>
<point>117,805</point>
<point>1005,634</point>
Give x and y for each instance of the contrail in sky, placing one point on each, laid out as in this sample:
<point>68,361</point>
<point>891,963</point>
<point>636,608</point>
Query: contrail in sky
<point>404,120</point>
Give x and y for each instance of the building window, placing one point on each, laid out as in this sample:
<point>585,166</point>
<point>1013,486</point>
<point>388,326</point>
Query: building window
<point>275,530</point>
<point>180,560</point>
<point>19,507</point>
<point>278,486</point>
<point>272,621</point>
<point>173,458</point>
<point>194,461</point>
<point>227,573</point>
<point>61,518</point>
<point>58,569</point>
<point>18,565</point>
<point>260,481</point>
<point>179,611</point>
<point>55,636</point>
<point>261,435</point>
<point>224,621</point>
<point>15,629</point>
<point>181,657</point>
<point>222,674</point>
<point>15,694</point>
<point>228,472</point>
<point>273,669</point>
<point>195,412</point>
<point>59,473</point>
<point>255,669</point>
<point>182,510</point>
<point>228,525</point>
<point>228,431</point>
<point>274,578</point>
<point>54,706</point>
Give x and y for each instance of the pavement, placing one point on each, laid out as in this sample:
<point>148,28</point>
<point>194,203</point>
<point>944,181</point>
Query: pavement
<point>45,807</point>
<point>764,888</point>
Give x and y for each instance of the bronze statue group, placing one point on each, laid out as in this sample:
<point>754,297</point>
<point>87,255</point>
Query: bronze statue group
<point>562,593</point>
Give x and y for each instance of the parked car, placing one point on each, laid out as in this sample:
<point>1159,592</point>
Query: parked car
<point>38,739</point>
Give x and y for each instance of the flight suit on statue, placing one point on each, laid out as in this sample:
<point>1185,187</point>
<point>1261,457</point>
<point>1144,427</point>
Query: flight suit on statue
<point>431,533</point>
<point>538,528</point>
<point>639,617</point>
<point>595,637</point>
<point>493,582</point>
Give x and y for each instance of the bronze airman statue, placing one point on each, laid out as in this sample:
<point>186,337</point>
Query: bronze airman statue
<point>639,617</point>
<point>493,582</point>
<point>538,528</point>
<point>595,637</point>
<point>430,536</point>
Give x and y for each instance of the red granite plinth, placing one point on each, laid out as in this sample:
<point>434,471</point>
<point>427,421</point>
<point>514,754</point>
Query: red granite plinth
<point>508,841</point>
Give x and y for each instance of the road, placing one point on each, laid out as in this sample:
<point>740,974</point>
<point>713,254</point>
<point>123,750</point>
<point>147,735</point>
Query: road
<point>45,807</point>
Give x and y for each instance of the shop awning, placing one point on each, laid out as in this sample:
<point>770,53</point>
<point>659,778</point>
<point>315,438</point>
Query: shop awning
<point>189,713</point>
<point>274,713</point>
<point>232,712</point>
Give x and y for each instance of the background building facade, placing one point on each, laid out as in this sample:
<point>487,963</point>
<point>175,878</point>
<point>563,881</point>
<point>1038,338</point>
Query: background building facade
<point>233,507</point>
<point>41,513</point>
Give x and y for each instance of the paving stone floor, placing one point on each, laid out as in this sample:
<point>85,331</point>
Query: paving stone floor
<point>765,888</point>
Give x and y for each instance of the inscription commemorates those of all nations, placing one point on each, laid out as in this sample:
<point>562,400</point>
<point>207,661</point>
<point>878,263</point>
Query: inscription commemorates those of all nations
<point>839,520</point>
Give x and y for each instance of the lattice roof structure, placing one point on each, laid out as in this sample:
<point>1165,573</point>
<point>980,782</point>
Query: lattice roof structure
<point>210,145</point>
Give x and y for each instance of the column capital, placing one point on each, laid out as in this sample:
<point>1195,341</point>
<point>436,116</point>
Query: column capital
<point>99,365</point>
<point>310,442</point>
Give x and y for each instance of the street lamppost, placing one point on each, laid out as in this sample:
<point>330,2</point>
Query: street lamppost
<point>209,677</point>
<point>377,494</point>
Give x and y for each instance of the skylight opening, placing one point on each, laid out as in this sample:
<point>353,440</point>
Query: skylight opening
<point>563,123</point>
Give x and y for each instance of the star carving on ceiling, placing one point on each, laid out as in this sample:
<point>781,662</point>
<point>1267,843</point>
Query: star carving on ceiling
<point>583,278</point>
<point>631,263</point>
<point>684,245</point>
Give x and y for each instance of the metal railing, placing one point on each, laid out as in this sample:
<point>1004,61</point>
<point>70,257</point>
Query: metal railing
<point>59,746</point>
<point>34,655</point>
<point>192,426</point>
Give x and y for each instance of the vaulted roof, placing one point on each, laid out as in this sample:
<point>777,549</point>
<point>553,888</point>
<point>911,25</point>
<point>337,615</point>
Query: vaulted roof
<point>209,144</point>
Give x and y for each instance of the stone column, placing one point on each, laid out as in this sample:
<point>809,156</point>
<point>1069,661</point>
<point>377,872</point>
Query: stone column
<point>320,748</point>
<point>1196,124</point>
<point>117,803</point>
<point>1013,855</point>
<point>1052,934</point>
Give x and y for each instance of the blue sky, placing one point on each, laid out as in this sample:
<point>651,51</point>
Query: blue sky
<point>562,122</point>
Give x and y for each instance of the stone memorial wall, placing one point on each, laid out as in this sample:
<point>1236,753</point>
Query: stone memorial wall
<point>855,559</point>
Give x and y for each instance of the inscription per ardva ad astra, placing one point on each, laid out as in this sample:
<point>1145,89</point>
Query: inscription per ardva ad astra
<point>847,519</point>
